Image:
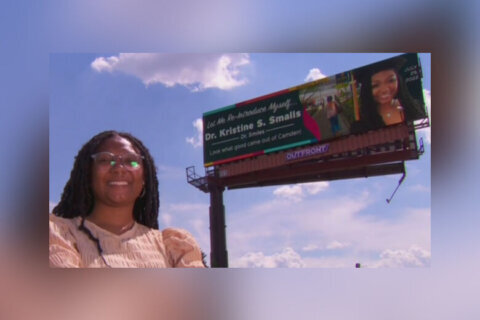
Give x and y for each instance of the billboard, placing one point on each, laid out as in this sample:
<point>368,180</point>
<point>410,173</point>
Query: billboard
<point>382,94</point>
<point>354,148</point>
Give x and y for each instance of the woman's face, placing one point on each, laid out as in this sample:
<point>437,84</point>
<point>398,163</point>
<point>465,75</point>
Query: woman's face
<point>117,183</point>
<point>384,86</point>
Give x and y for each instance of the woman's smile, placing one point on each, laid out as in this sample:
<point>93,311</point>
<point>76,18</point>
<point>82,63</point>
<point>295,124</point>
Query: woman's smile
<point>118,183</point>
<point>115,182</point>
<point>384,86</point>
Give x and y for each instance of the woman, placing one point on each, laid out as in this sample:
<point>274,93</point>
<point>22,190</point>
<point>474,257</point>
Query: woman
<point>107,215</point>
<point>384,97</point>
<point>384,92</point>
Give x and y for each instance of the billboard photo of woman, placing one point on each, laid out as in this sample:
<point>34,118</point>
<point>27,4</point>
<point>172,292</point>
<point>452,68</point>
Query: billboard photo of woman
<point>385,97</point>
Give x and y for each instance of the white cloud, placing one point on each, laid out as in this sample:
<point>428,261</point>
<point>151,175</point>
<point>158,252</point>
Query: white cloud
<point>197,141</point>
<point>166,219</point>
<point>288,258</point>
<point>293,193</point>
<point>194,71</point>
<point>314,74</point>
<point>297,192</point>
<point>105,64</point>
<point>201,230</point>
<point>190,216</point>
<point>310,247</point>
<point>314,220</point>
<point>428,101</point>
<point>335,245</point>
<point>315,187</point>
<point>332,245</point>
<point>415,256</point>
<point>316,224</point>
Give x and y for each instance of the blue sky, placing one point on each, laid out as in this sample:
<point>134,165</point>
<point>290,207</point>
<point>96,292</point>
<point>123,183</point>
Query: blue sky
<point>324,224</point>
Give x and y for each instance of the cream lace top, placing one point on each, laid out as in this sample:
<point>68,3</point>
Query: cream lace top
<point>138,247</point>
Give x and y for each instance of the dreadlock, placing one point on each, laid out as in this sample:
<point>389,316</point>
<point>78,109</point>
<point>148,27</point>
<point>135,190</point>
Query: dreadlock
<point>77,197</point>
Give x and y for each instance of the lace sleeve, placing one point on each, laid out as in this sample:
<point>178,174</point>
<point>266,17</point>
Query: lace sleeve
<point>182,249</point>
<point>63,252</point>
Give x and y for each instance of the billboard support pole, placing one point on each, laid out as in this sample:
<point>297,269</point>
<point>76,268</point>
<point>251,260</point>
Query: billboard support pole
<point>218,243</point>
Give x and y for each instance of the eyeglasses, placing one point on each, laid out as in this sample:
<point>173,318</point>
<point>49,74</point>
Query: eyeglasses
<point>107,160</point>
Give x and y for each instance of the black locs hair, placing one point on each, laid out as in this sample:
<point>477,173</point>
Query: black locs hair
<point>77,197</point>
<point>369,113</point>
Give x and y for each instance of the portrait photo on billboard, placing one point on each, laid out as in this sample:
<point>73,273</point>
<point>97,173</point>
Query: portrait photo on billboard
<point>390,92</point>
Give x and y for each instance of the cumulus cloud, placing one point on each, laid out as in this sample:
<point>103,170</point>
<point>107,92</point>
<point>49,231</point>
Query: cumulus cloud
<point>298,192</point>
<point>415,256</point>
<point>105,64</point>
<point>197,140</point>
<point>314,74</point>
<point>315,187</point>
<point>194,71</point>
<point>293,193</point>
<point>288,258</point>
<point>345,228</point>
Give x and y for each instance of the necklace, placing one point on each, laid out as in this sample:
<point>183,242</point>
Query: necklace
<point>114,229</point>
<point>127,227</point>
<point>89,234</point>
<point>391,110</point>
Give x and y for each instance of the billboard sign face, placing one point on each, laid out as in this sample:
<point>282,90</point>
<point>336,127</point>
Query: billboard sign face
<point>368,98</point>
